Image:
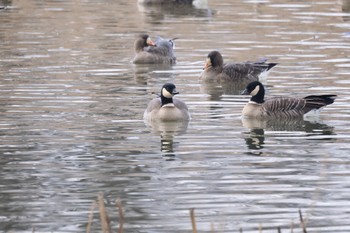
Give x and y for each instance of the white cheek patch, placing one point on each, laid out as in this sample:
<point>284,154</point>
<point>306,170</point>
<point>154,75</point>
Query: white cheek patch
<point>166,93</point>
<point>255,91</point>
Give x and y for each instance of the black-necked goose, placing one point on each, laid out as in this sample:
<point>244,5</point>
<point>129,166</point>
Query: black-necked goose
<point>216,70</point>
<point>281,107</point>
<point>167,108</point>
<point>159,52</point>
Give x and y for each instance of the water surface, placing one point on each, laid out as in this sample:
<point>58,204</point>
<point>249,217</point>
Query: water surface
<point>71,107</point>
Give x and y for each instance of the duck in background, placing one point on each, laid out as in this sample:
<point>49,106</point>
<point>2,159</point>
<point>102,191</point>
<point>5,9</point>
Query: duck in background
<point>215,70</point>
<point>159,52</point>
<point>280,107</point>
<point>165,107</point>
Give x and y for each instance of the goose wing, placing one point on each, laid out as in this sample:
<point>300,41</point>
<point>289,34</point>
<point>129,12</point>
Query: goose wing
<point>285,107</point>
<point>153,105</point>
<point>250,70</point>
<point>180,104</point>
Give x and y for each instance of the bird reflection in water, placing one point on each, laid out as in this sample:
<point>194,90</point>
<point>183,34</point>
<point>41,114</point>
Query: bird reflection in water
<point>217,89</point>
<point>153,74</point>
<point>255,138</point>
<point>168,132</point>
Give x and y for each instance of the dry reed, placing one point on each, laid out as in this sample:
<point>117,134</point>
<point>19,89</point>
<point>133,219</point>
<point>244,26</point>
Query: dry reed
<point>106,227</point>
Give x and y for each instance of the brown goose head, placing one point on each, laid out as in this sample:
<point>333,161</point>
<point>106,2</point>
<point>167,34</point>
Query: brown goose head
<point>143,41</point>
<point>214,60</point>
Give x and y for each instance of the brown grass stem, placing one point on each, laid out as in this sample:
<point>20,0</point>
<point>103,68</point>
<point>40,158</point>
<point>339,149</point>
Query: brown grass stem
<point>302,223</point>
<point>105,222</point>
<point>91,217</point>
<point>121,215</point>
<point>193,221</point>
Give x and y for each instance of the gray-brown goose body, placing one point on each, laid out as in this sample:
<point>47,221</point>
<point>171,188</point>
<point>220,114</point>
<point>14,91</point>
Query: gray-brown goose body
<point>216,70</point>
<point>280,107</point>
<point>148,52</point>
<point>167,108</point>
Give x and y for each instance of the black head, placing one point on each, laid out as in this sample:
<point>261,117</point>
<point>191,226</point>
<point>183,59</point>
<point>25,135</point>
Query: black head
<point>256,90</point>
<point>215,59</point>
<point>167,93</point>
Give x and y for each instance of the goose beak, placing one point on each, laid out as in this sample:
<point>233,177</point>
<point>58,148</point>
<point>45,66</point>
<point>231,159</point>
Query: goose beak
<point>175,92</point>
<point>150,42</point>
<point>207,64</point>
<point>245,92</point>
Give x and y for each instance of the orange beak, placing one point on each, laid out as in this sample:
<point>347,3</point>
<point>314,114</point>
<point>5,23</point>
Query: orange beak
<point>207,64</point>
<point>150,42</point>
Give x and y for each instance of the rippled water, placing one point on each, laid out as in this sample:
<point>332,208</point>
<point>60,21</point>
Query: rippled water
<point>71,106</point>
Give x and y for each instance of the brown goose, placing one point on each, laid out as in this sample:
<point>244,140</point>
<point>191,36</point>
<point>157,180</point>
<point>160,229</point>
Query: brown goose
<point>148,52</point>
<point>281,107</point>
<point>167,108</point>
<point>216,70</point>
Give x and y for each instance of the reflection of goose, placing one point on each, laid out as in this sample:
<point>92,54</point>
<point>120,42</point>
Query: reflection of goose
<point>167,128</point>
<point>280,107</point>
<point>152,73</point>
<point>255,139</point>
<point>167,108</point>
<point>295,124</point>
<point>167,132</point>
<point>216,70</point>
<point>226,88</point>
<point>148,52</point>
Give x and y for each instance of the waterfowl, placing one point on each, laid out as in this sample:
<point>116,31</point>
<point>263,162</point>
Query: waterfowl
<point>165,107</point>
<point>281,107</point>
<point>149,52</point>
<point>216,70</point>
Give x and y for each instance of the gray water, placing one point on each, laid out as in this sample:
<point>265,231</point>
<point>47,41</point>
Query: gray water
<point>71,127</point>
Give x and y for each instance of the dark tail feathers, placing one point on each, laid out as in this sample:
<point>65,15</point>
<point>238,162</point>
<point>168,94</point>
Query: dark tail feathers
<point>271,65</point>
<point>262,62</point>
<point>318,101</point>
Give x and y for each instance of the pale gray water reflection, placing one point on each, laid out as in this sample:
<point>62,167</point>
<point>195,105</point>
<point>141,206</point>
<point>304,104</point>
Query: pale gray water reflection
<point>71,107</point>
<point>298,128</point>
<point>167,132</point>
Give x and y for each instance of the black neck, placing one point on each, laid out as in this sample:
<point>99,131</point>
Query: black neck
<point>259,98</point>
<point>166,100</point>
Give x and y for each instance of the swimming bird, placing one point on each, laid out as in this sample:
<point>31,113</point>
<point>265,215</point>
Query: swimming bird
<point>159,52</point>
<point>281,107</point>
<point>216,70</point>
<point>167,108</point>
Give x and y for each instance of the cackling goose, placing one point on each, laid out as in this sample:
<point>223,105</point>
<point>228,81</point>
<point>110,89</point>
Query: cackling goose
<point>281,107</point>
<point>167,108</point>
